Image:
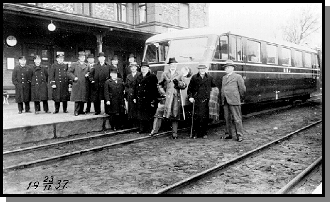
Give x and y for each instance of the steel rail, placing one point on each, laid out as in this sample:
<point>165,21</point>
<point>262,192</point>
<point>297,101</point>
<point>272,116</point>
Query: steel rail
<point>299,177</point>
<point>176,186</point>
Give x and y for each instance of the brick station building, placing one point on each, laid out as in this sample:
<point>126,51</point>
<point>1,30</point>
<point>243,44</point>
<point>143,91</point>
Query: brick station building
<point>114,28</point>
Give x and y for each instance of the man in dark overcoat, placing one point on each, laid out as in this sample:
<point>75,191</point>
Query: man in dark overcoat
<point>198,91</point>
<point>21,78</point>
<point>114,97</point>
<point>91,63</point>
<point>115,63</point>
<point>60,83</point>
<point>39,89</point>
<point>78,74</point>
<point>146,95</point>
<point>98,76</point>
<point>232,91</point>
<point>129,93</point>
<point>127,66</point>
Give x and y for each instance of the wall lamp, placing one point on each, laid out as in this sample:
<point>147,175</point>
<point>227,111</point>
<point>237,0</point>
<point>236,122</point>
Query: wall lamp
<point>51,26</point>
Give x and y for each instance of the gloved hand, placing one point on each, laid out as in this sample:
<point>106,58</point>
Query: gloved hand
<point>176,82</point>
<point>53,86</point>
<point>75,79</point>
<point>191,100</point>
<point>108,103</point>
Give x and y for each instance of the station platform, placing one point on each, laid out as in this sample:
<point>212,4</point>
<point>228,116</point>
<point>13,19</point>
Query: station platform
<point>29,127</point>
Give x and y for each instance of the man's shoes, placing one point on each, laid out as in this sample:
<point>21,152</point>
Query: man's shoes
<point>227,137</point>
<point>47,112</point>
<point>76,114</point>
<point>205,137</point>
<point>86,112</point>
<point>97,113</point>
<point>19,112</point>
<point>55,112</point>
<point>36,112</point>
<point>152,134</point>
<point>238,138</point>
<point>28,111</point>
<point>65,111</point>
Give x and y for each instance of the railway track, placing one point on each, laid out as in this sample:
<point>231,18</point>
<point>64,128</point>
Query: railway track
<point>194,179</point>
<point>98,144</point>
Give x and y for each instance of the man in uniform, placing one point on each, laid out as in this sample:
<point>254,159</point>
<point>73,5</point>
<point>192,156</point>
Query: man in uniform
<point>39,89</point>
<point>60,84</point>
<point>21,78</point>
<point>77,73</point>
<point>198,91</point>
<point>98,76</point>
<point>232,91</point>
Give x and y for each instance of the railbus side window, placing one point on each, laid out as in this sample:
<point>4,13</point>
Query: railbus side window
<point>298,59</point>
<point>253,51</point>
<point>285,57</point>
<point>307,60</point>
<point>271,54</point>
<point>232,48</point>
<point>152,53</point>
<point>239,49</point>
<point>222,48</point>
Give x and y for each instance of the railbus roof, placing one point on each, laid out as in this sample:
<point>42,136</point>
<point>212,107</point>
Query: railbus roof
<point>191,32</point>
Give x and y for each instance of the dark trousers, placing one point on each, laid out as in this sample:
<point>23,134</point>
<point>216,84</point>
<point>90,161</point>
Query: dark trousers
<point>145,125</point>
<point>37,105</point>
<point>20,106</point>
<point>79,106</point>
<point>88,107</point>
<point>98,108</point>
<point>115,121</point>
<point>235,112</point>
<point>200,126</point>
<point>57,106</point>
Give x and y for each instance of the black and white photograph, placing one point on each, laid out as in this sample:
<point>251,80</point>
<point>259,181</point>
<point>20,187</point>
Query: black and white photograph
<point>183,99</point>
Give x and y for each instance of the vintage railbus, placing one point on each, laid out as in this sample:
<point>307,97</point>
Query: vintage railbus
<point>272,70</point>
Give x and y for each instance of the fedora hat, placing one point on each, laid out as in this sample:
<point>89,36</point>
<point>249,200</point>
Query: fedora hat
<point>113,69</point>
<point>22,58</point>
<point>171,60</point>
<point>202,66</point>
<point>146,64</point>
<point>101,54</point>
<point>81,53</point>
<point>229,63</point>
<point>91,56</point>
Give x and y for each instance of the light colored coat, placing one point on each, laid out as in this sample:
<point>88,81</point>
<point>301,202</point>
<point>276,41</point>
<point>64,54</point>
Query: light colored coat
<point>79,91</point>
<point>232,89</point>
<point>173,107</point>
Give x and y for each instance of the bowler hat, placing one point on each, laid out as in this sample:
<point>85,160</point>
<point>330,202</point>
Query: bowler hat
<point>91,56</point>
<point>113,69</point>
<point>59,55</point>
<point>81,53</point>
<point>171,60</point>
<point>115,57</point>
<point>146,64</point>
<point>101,54</point>
<point>229,63</point>
<point>22,58</point>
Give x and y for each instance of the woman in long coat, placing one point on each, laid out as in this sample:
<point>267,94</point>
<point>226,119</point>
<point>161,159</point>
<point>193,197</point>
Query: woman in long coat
<point>59,81</point>
<point>145,95</point>
<point>114,97</point>
<point>129,92</point>
<point>39,89</point>
<point>77,73</point>
<point>173,82</point>
<point>21,78</point>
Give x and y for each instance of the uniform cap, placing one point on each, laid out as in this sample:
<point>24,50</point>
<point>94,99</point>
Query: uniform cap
<point>146,64</point>
<point>101,54</point>
<point>113,69</point>
<point>81,53</point>
<point>91,56</point>
<point>22,58</point>
<point>36,57</point>
<point>59,55</point>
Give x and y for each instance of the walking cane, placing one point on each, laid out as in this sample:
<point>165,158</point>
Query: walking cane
<point>184,116</point>
<point>192,121</point>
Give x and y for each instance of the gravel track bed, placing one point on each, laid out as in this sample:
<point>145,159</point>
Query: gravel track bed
<point>153,164</point>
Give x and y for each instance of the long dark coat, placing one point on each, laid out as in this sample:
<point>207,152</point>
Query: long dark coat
<point>173,103</point>
<point>78,92</point>
<point>88,83</point>
<point>199,89</point>
<point>129,88</point>
<point>58,76</point>
<point>114,92</point>
<point>21,78</point>
<point>146,93</point>
<point>99,74</point>
<point>39,89</point>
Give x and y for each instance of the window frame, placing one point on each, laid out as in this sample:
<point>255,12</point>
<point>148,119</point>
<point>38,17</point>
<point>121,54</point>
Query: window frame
<point>295,58</point>
<point>139,5</point>
<point>260,50</point>
<point>188,15</point>
<point>290,56</point>
<point>119,13</point>
<point>79,8</point>
<point>218,45</point>
<point>239,39</point>
<point>305,60</point>
<point>267,53</point>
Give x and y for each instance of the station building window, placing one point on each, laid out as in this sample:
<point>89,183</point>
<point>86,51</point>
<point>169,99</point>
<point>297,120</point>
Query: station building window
<point>253,51</point>
<point>271,54</point>
<point>285,57</point>
<point>184,15</point>
<point>83,8</point>
<point>142,12</point>
<point>298,59</point>
<point>121,12</point>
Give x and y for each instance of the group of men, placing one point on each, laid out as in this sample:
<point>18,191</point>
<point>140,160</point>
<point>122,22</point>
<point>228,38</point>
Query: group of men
<point>136,93</point>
